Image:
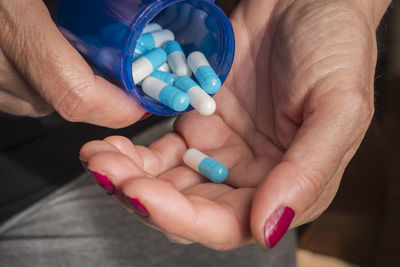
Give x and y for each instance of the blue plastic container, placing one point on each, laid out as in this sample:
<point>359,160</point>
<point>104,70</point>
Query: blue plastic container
<point>106,32</point>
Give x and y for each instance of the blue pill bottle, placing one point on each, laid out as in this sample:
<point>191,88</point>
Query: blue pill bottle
<point>106,31</point>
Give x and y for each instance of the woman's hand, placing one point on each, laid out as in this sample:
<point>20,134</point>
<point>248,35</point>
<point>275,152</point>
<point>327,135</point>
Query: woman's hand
<point>41,72</point>
<point>291,115</point>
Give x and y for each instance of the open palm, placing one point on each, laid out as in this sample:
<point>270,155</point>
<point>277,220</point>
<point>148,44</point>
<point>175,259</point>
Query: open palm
<point>290,116</point>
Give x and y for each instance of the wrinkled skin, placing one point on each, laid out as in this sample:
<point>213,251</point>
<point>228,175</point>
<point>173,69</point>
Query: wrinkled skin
<point>289,118</point>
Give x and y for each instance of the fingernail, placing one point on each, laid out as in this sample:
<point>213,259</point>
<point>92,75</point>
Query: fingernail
<point>277,224</point>
<point>145,116</point>
<point>136,205</point>
<point>104,182</point>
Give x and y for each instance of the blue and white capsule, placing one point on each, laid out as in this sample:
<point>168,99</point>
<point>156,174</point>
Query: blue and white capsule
<point>152,27</point>
<point>155,39</point>
<point>199,99</point>
<point>139,51</point>
<point>166,94</point>
<point>204,73</point>
<point>207,166</point>
<point>145,65</point>
<point>177,59</point>
<point>166,77</point>
<point>164,67</point>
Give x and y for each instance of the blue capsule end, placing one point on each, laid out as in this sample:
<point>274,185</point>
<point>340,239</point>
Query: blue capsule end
<point>213,170</point>
<point>208,79</point>
<point>172,46</point>
<point>157,57</point>
<point>140,50</point>
<point>147,41</point>
<point>185,83</point>
<point>174,98</point>
<point>166,77</point>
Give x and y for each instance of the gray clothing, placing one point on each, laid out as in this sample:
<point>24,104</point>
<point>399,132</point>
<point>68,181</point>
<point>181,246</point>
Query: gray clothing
<point>79,225</point>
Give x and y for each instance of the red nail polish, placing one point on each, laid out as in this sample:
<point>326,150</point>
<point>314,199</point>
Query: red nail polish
<point>136,205</point>
<point>277,224</point>
<point>145,116</point>
<point>104,182</point>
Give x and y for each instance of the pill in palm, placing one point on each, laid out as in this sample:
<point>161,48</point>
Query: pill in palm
<point>152,27</point>
<point>177,59</point>
<point>199,99</point>
<point>207,166</point>
<point>204,73</point>
<point>145,65</point>
<point>166,94</point>
<point>151,40</point>
<point>166,77</point>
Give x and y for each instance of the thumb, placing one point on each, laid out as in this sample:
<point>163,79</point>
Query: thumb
<point>304,183</point>
<point>33,43</point>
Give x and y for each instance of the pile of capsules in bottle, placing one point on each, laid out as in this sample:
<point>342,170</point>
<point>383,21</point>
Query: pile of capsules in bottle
<point>161,68</point>
<point>164,73</point>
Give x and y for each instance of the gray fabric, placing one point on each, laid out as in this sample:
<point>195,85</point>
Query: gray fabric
<point>79,225</point>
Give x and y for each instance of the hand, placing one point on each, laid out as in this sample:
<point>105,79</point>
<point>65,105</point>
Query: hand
<point>40,71</point>
<point>291,115</point>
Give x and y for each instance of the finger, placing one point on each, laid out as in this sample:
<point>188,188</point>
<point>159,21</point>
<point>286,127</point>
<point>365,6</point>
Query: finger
<point>327,139</point>
<point>55,69</point>
<point>17,106</point>
<point>14,84</point>
<point>91,148</point>
<point>220,224</point>
<point>177,239</point>
<point>163,154</point>
<point>113,169</point>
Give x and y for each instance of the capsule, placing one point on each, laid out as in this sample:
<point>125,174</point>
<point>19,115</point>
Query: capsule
<point>151,40</point>
<point>204,73</point>
<point>139,51</point>
<point>199,99</point>
<point>152,27</point>
<point>207,166</point>
<point>166,77</point>
<point>177,59</point>
<point>164,67</point>
<point>166,94</point>
<point>148,63</point>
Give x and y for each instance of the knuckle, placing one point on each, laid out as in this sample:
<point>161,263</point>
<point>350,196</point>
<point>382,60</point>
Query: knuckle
<point>361,105</point>
<point>74,105</point>
<point>312,182</point>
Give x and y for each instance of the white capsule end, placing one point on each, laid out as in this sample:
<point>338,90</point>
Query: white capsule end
<point>141,69</point>
<point>183,70</point>
<point>197,59</point>
<point>152,27</point>
<point>152,87</point>
<point>201,101</point>
<point>192,158</point>
<point>165,67</point>
<point>178,64</point>
<point>160,37</point>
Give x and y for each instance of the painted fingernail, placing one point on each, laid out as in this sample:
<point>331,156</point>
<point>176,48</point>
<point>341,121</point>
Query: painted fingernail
<point>104,182</point>
<point>277,224</point>
<point>145,116</point>
<point>136,205</point>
